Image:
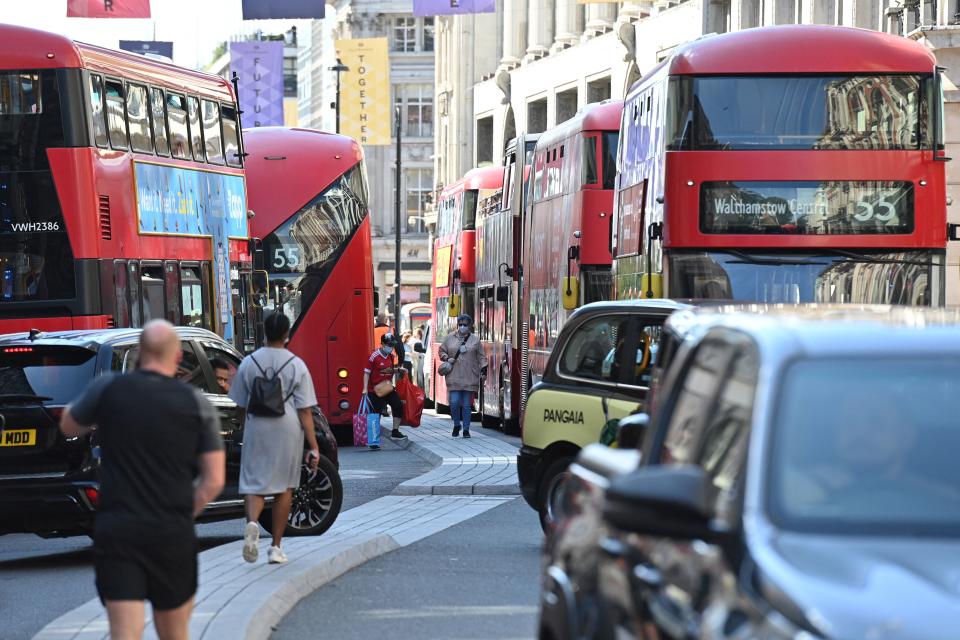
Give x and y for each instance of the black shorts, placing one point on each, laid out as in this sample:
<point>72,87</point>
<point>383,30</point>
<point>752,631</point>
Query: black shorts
<point>165,575</point>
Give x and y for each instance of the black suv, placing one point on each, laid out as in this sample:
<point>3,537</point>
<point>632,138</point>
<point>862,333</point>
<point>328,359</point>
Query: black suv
<point>49,483</point>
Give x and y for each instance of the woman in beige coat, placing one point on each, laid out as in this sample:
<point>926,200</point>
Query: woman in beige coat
<point>463,349</point>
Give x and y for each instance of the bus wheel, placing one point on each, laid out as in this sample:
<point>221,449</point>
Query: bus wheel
<point>316,502</point>
<point>551,498</point>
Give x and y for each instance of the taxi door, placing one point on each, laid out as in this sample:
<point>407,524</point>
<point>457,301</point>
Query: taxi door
<point>599,371</point>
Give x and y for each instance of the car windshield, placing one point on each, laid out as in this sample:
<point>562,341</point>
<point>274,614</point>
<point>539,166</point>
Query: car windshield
<point>867,447</point>
<point>60,373</point>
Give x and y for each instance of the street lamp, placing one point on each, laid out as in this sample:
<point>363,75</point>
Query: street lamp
<point>338,68</point>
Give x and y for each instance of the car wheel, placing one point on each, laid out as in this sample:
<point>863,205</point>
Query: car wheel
<point>316,502</point>
<point>550,497</point>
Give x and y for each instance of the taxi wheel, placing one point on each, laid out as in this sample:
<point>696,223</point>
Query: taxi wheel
<point>550,497</point>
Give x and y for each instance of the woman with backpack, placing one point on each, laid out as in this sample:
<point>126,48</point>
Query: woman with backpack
<point>274,389</point>
<point>463,355</point>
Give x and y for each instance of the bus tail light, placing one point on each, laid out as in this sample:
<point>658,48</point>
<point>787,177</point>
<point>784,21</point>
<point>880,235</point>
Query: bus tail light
<point>344,405</point>
<point>344,389</point>
<point>342,373</point>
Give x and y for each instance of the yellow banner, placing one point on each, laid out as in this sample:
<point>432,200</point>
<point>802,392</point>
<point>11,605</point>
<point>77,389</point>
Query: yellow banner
<point>365,112</point>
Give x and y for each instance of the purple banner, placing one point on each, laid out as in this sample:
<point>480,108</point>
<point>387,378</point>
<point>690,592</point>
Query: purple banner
<point>452,7</point>
<point>155,47</point>
<point>260,67</point>
<point>273,9</point>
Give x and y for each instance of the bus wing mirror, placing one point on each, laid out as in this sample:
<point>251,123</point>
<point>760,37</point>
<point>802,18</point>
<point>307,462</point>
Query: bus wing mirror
<point>503,293</point>
<point>570,290</point>
<point>453,309</point>
<point>261,282</point>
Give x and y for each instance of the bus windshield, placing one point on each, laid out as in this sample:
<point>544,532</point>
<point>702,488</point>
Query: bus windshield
<point>907,278</point>
<point>302,252</point>
<point>800,112</point>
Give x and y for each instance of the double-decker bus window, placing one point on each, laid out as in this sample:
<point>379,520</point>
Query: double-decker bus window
<point>133,291</point>
<point>302,252</point>
<point>159,121</point>
<point>96,111</point>
<point>179,133</point>
<point>590,160</point>
<point>798,112</point>
<point>171,283</point>
<point>151,284</point>
<point>231,139</point>
<point>121,315</point>
<point>206,272</point>
<point>116,115</point>
<point>196,133</point>
<point>211,132</point>
<point>609,158</point>
<point>469,221</point>
<point>138,119</point>
<point>191,297</point>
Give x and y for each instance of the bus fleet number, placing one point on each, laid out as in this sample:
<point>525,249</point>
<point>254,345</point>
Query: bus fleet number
<point>286,257</point>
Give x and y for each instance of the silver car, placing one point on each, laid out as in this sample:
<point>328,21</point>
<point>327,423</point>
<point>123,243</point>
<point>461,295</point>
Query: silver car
<point>799,480</point>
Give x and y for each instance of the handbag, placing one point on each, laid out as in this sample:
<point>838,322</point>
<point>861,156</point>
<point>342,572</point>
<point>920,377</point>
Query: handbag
<point>360,423</point>
<point>447,365</point>
<point>383,389</point>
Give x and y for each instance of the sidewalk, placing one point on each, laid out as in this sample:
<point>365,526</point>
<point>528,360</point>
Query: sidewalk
<point>240,600</point>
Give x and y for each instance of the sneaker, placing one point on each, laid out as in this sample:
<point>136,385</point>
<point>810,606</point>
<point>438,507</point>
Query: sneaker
<point>251,534</point>
<point>374,447</point>
<point>275,555</point>
<point>396,434</point>
<point>456,432</point>
<point>466,434</point>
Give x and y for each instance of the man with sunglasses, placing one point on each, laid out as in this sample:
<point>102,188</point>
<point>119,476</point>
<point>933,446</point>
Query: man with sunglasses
<point>463,350</point>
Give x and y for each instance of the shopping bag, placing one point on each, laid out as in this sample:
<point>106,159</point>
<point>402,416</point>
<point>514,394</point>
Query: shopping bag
<point>373,428</point>
<point>413,398</point>
<point>360,423</point>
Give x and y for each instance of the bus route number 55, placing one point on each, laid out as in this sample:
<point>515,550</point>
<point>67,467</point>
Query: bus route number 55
<point>286,257</point>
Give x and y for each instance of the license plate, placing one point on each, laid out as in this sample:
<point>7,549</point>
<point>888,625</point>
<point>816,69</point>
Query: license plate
<point>18,437</point>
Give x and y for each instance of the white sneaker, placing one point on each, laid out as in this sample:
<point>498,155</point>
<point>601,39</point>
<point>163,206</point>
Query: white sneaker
<point>275,555</point>
<point>251,534</point>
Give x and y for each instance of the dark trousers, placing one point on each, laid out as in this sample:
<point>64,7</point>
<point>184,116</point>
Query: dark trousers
<point>392,400</point>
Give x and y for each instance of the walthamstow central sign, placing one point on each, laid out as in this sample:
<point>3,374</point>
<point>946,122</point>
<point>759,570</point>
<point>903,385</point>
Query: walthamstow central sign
<point>807,207</point>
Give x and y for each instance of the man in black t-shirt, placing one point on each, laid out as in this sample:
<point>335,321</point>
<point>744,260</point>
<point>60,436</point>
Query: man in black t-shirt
<point>156,435</point>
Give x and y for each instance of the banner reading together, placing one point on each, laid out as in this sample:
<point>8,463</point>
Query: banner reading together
<point>365,112</point>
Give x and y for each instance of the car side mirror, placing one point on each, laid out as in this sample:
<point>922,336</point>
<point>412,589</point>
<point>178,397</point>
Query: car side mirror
<point>673,501</point>
<point>503,293</point>
<point>631,430</point>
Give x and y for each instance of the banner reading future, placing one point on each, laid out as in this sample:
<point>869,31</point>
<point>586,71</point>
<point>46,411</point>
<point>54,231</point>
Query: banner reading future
<point>259,66</point>
<point>452,7</point>
<point>365,112</point>
<point>108,8</point>
<point>272,9</point>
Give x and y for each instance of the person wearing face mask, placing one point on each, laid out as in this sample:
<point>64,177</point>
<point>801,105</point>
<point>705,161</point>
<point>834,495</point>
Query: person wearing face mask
<point>381,368</point>
<point>463,349</point>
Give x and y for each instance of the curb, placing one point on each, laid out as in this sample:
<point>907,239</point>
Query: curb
<point>268,615</point>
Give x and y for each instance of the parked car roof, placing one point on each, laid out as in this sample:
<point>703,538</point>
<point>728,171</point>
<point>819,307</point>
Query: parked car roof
<point>92,338</point>
<point>654,305</point>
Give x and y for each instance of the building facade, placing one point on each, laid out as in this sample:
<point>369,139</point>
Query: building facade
<point>411,44</point>
<point>555,56</point>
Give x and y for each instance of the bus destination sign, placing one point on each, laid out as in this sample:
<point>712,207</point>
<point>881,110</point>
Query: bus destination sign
<point>809,207</point>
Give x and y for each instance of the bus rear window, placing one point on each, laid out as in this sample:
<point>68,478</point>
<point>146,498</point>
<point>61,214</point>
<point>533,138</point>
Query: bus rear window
<point>58,372</point>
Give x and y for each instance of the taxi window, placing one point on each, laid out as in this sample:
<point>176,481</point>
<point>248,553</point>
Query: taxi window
<point>593,351</point>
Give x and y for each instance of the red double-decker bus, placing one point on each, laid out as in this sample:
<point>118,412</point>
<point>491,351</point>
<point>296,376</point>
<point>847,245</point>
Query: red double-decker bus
<point>812,171</point>
<point>499,251</point>
<point>566,248</point>
<point>122,196</point>
<point>454,261</point>
<point>308,194</point>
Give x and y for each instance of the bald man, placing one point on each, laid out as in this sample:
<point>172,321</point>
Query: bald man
<point>156,436</point>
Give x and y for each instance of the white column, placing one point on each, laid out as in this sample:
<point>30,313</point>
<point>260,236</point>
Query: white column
<point>540,33</point>
<point>600,18</point>
<point>567,29</point>
<point>514,32</point>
